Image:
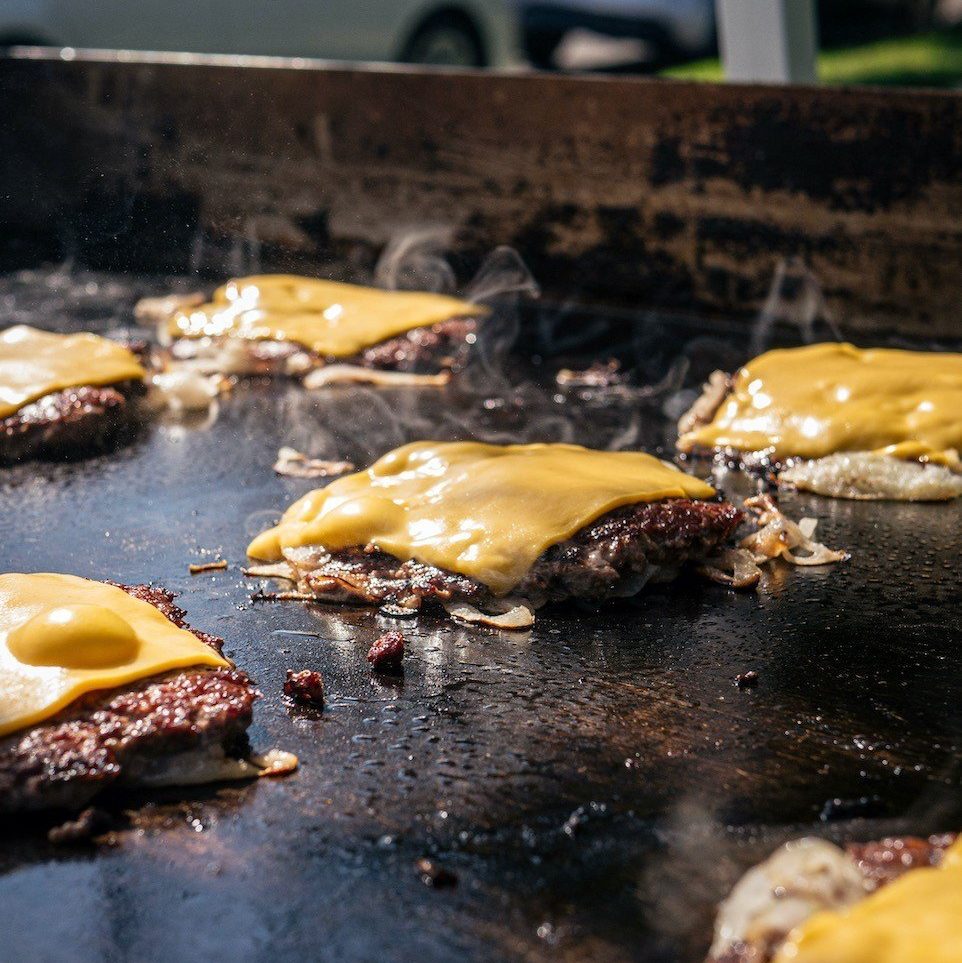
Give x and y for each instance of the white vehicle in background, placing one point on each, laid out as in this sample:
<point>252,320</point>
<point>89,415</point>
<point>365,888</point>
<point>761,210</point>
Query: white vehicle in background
<point>463,33</point>
<point>672,30</point>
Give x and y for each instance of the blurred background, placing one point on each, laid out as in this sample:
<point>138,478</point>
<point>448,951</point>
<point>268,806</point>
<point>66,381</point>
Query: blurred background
<point>904,42</point>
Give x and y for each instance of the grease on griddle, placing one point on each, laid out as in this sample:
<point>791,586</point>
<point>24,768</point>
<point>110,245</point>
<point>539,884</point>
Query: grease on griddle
<point>434,875</point>
<point>864,807</point>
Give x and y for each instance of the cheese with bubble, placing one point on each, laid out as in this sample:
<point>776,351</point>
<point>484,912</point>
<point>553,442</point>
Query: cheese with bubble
<point>915,919</point>
<point>824,398</point>
<point>331,318</point>
<point>62,636</point>
<point>34,363</point>
<point>485,511</point>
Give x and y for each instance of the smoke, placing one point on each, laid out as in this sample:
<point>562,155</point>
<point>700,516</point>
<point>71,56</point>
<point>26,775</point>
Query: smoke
<point>795,299</point>
<point>500,396</point>
<point>413,260</point>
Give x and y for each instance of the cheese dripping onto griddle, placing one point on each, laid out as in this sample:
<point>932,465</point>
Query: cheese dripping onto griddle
<point>330,318</point>
<point>825,398</point>
<point>485,511</point>
<point>35,363</point>
<point>915,919</point>
<point>62,636</point>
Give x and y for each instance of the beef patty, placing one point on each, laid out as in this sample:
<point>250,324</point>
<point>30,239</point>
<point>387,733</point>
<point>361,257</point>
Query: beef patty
<point>165,729</point>
<point>880,862</point>
<point>616,555</point>
<point>72,423</point>
<point>441,347</point>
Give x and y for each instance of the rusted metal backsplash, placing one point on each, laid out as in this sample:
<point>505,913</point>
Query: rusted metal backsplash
<point>638,193</point>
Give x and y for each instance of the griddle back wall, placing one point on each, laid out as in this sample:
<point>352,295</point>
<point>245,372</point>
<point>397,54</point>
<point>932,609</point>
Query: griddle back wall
<point>619,192</point>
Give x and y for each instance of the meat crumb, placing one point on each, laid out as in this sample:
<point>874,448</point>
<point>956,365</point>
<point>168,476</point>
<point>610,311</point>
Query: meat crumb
<point>746,680</point>
<point>387,653</point>
<point>89,823</point>
<point>305,687</point>
<point>434,875</point>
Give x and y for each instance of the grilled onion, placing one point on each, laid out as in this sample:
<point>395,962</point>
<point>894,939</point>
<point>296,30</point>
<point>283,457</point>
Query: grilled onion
<point>354,374</point>
<point>514,615</point>
<point>735,567</point>
<point>295,464</point>
<point>779,537</point>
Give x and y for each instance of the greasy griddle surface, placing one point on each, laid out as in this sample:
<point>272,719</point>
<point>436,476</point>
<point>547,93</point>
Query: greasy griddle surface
<point>595,784</point>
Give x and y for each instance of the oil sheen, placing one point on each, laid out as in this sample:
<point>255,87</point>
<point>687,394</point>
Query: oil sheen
<point>485,511</point>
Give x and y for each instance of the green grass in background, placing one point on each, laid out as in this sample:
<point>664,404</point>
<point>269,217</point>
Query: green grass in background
<point>925,60</point>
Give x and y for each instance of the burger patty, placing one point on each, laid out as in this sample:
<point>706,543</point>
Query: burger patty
<point>440,347</point>
<point>880,862</point>
<point>148,733</point>
<point>616,555</point>
<point>72,423</point>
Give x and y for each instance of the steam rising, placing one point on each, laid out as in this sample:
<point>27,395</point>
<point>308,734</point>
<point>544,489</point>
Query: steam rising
<point>498,397</point>
<point>795,299</point>
<point>414,260</point>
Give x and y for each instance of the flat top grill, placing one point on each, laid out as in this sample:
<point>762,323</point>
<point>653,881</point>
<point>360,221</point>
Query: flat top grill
<point>595,784</point>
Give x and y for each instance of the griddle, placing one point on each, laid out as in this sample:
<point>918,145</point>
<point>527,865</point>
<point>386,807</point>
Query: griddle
<point>594,784</point>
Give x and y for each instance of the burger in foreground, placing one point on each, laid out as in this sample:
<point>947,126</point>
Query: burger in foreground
<point>325,330</point>
<point>65,396</point>
<point>839,420</point>
<point>104,685</point>
<point>464,524</point>
<point>898,900</point>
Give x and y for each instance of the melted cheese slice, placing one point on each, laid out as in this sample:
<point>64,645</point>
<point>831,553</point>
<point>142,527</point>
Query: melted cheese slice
<point>485,511</point>
<point>825,398</point>
<point>34,363</point>
<point>62,636</point>
<point>916,919</point>
<point>330,318</point>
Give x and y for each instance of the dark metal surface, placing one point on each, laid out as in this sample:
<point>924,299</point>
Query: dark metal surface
<point>595,784</point>
<point>619,191</point>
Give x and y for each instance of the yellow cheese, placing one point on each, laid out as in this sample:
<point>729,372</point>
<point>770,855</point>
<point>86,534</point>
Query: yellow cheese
<point>34,363</point>
<point>486,511</point>
<point>825,398</point>
<point>916,919</point>
<point>918,451</point>
<point>62,636</point>
<point>328,317</point>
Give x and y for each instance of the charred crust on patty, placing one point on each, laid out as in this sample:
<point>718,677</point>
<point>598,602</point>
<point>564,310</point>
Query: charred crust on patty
<point>438,347</point>
<point>885,860</point>
<point>614,556</point>
<point>121,737</point>
<point>73,423</point>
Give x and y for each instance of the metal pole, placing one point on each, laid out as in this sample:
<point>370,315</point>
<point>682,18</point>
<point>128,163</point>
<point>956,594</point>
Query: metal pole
<point>771,41</point>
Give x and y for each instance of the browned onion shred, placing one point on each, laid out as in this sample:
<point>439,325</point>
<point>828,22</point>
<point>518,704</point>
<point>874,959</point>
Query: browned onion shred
<point>744,571</point>
<point>354,374</point>
<point>275,570</point>
<point>514,615</point>
<point>275,762</point>
<point>296,464</point>
<point>779,537</point>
